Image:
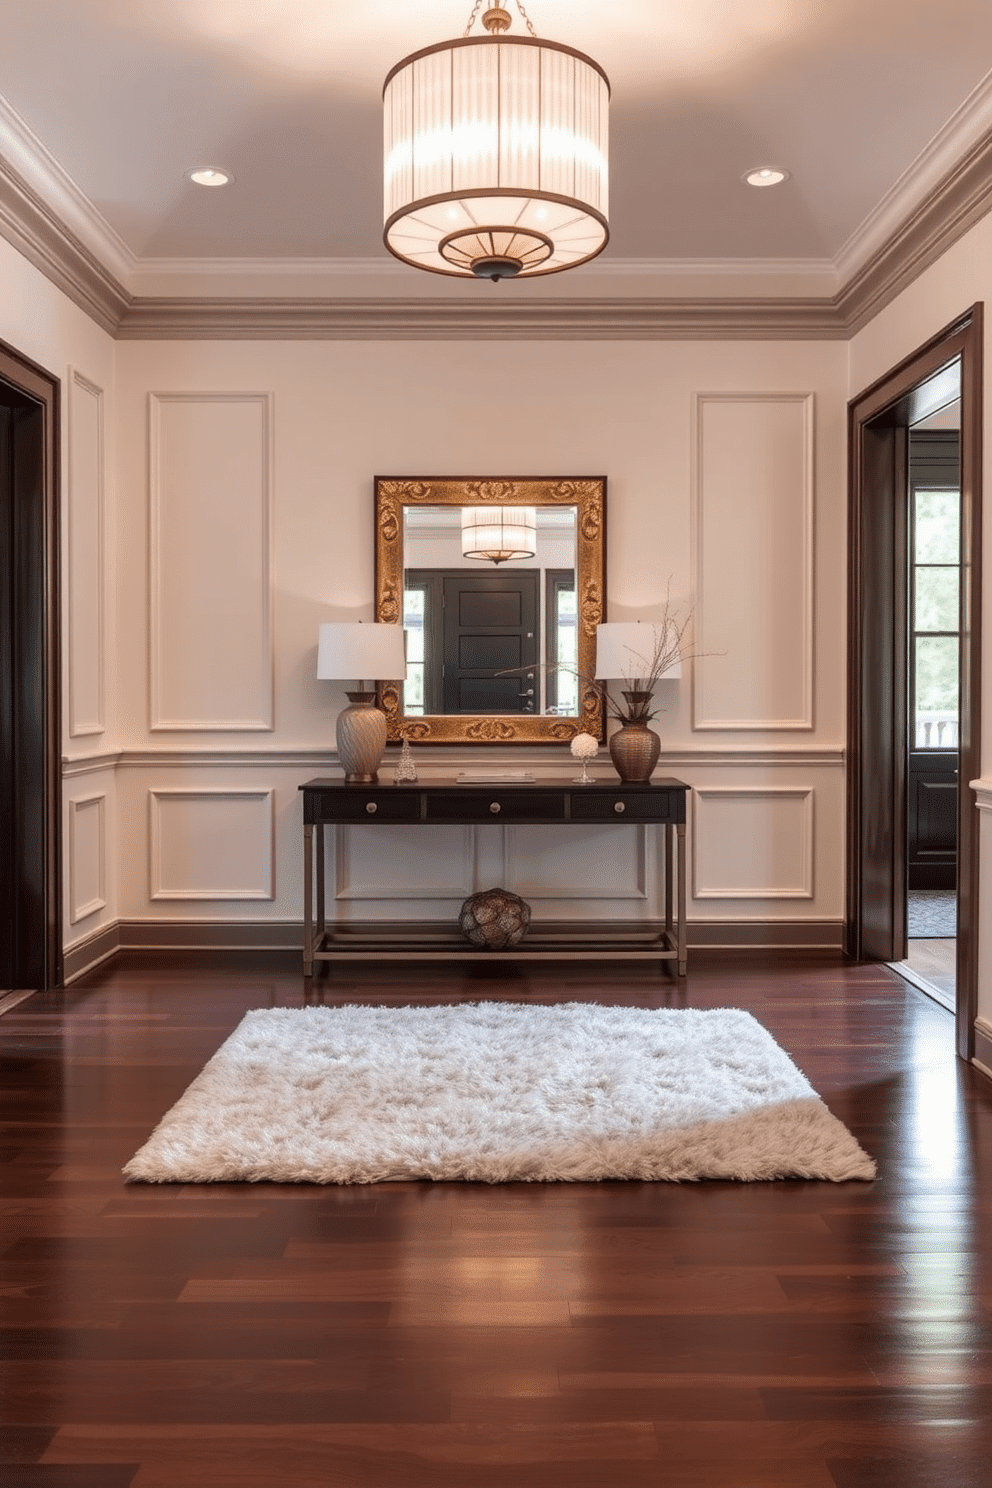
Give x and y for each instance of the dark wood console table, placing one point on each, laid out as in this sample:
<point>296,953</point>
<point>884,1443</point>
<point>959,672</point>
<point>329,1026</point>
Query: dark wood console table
<point>660,803</point>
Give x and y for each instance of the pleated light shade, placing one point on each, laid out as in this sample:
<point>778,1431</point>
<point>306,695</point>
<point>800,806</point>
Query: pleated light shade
<point>499,533</point>
<point>496,157</point>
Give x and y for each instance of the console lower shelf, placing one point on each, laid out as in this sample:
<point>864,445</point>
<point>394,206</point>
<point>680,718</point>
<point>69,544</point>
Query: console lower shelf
<point>547,941</point>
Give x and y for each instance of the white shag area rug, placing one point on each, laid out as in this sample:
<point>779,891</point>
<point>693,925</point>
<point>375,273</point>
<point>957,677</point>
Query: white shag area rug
<point>498,1093</point>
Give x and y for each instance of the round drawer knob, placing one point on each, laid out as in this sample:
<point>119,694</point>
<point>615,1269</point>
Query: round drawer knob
<point>619,807</point>
<point>494,807</point>
<point>371,808</point>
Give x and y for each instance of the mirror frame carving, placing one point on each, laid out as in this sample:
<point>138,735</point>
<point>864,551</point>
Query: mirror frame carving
<point>393,494</point>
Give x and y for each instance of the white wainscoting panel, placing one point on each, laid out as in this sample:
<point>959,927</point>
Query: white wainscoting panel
<point>410,864</point>
<point>752,842</point>
<point>210,483</point>
<point>576,862</point>
<point>753,559</point>
<point>85,558</point>
<point>87,856</point>
<point>211,844</point>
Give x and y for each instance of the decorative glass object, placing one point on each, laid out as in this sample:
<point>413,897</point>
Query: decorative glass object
<point>406,770</point>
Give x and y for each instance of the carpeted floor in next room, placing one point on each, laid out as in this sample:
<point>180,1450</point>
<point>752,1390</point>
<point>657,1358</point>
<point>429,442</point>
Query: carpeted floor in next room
<point>932,914</point>
<point>437,1335</point>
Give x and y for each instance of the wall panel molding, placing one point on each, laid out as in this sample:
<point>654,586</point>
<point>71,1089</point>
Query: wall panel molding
<point>210,844</point>
<point>210,579</point>
<point>748,648</point>
<point>86,568</point>
<point>763,848</point>
<point>458,866</point>
<point>624,850</point>
<point>87,856</point>
<point>551,761</point>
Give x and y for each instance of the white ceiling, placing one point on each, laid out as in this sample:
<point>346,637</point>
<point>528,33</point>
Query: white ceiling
<point>128,95</point>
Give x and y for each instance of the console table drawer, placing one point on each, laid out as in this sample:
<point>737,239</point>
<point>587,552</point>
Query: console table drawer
<point>357,805</point>
<point>632,806</point>
<point>495,805</point>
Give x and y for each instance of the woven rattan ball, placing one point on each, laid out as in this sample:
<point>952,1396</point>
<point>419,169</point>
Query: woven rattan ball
<point>495,919</point>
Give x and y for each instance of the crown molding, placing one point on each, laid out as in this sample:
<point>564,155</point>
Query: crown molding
<point>945,215</point>
<point>392,319</point>
<point>388,267</point>
<point>936,163</point>
<point>39,235</point>
<point>45,216</point>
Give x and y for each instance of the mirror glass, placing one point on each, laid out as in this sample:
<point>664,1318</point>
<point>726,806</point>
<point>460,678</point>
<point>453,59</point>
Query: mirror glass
<point>479,623</point>
<point>499,587</point>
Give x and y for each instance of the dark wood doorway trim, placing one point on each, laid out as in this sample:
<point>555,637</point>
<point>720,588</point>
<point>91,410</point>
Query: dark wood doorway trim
<point>30,736</point>
<point>878,426</point>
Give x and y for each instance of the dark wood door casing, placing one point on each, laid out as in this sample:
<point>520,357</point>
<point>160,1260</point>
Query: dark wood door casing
<point>30,786</point>
<point>879,420</point>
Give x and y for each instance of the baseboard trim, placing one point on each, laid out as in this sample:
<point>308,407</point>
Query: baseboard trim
<point>982,1058</point>
<point>757,935</point>
<point>287,935</point>
<point>86,955</point>
<point>211,935</point>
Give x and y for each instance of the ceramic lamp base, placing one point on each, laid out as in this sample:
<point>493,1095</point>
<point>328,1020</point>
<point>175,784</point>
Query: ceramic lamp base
<point>361,739</point>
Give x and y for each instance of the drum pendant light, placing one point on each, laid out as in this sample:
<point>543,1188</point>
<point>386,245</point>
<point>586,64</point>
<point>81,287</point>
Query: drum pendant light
<point>498,534</point>
<point>496,155</point>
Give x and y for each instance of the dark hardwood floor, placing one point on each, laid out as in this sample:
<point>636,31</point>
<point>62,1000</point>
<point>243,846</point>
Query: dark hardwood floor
<point>464,1336</point>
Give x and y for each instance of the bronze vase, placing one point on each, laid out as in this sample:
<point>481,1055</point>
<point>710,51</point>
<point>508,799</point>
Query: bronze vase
<point>634,750</point>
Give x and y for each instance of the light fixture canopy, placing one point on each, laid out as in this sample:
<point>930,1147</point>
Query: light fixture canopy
<point>210,175</point>
<point>496,155</point>
<point>765,175</point>
<point>497,534</point>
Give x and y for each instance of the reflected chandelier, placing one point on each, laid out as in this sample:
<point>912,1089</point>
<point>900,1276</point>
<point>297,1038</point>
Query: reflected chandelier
<point>495,154</point>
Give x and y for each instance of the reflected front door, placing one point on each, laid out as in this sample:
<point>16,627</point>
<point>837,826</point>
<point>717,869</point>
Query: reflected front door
<point>490,627</point>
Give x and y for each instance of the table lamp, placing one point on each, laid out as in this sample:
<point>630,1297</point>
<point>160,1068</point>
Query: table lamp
<point>353,651</point>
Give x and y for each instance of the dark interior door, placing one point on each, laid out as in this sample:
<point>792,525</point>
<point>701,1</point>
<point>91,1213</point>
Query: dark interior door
<point>490,627</point>
<point>30,938</point>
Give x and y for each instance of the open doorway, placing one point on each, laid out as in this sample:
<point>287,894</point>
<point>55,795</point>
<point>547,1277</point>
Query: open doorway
<point>893,651</point>
<point>30,898</point>
<point>934,647</point>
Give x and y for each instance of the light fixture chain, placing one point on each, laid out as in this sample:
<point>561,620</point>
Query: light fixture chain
<point>530,23</point>
<point>471,20</point>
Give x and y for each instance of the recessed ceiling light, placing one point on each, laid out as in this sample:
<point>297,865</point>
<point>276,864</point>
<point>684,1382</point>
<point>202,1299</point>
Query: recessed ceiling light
<point>765,175</point>
<point>210,176</point>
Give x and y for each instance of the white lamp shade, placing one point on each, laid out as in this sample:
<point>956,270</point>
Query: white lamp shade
<point>350,651</point>
<point>499,533</point>
<point>495,148</point>
<point>624,650</point>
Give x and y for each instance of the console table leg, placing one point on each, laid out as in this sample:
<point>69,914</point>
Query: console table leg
<point>307,900</point>
<point>668,876</point>
<point>321,917</point>
<point>680,829</point>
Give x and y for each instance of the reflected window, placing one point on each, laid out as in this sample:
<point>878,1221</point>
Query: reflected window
<point>562,652</point>
<point>414,617</point>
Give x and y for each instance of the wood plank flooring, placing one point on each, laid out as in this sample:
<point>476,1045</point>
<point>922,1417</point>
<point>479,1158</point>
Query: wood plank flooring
<point>784,1335</point>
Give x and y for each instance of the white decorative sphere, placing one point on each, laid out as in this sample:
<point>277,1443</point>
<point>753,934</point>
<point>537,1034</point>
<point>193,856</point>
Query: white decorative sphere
<point>584,746</point>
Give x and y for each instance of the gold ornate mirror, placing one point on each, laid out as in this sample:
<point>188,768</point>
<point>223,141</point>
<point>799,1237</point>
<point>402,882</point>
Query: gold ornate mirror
<point>499,584</point>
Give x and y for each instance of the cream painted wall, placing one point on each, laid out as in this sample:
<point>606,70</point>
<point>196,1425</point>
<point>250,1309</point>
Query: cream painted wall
<point>37,320</point>
<point>960,278</point>
<point>334,415</point>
